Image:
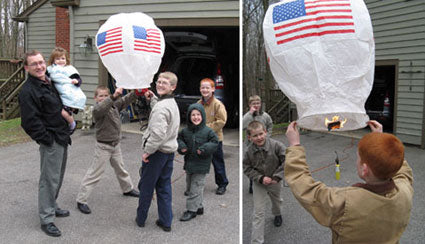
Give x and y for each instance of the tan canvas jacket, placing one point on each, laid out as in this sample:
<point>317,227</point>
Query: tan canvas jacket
<point>216,115</point>
<point>354,214</point>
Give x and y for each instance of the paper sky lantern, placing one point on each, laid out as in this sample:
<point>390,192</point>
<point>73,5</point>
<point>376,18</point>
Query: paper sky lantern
<point>322,55</point>
<point>131,47</point>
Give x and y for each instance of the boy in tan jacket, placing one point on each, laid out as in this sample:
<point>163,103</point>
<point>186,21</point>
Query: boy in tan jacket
<point>377,211</point>
<point>216,119</point>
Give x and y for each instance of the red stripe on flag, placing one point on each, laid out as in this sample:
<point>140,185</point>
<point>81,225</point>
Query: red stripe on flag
<point>145,50</point>
<point>139,45</point>
<point>321,1</point>
<point>313,19</point>
<point>329,5</point>
<point>330,11</point>
<point>312,27</point>
<point>113,40</point>
<point>158,37</point>
<point>114,32</point>
<point>110,49</point>
<point>110,44</point>
<point>116,28</point>
<point>146,42</point>
<point>315,34</point>
<point>154,40</point>
<point>117,51</point>
<point>109,36</point>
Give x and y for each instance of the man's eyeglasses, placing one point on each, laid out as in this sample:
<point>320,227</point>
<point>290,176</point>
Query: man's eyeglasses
<point>35,64</point>
<point>164,83</point>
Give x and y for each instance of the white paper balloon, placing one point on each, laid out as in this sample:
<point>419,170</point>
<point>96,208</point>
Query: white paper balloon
<point>131,47</point>
<point>322,55</point>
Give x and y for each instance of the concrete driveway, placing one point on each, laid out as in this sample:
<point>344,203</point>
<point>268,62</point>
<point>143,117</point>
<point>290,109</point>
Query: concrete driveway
<point>298,225</point>
<point>112,218</point>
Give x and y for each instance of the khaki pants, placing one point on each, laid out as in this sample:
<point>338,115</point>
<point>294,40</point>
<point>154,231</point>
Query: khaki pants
<point>260,197</point>
<point>102,154</point>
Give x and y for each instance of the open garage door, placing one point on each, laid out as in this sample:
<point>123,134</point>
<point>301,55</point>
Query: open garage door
<point>380,103</point>
<point>194,53</point>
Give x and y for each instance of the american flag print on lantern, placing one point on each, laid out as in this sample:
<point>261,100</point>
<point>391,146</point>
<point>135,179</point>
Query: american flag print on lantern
<point>110,41</point>
<point>147,40</point>
<point>312,18</point>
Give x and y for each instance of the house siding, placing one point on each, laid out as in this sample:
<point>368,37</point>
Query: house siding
<point>41,30</point>
<point>399,31</point>
<point>90,13</point>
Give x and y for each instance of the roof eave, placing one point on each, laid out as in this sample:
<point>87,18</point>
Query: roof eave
<point>65,3</point>
<point>22,17</point>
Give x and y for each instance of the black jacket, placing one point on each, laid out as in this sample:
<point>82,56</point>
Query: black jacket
<point>196,137</point>
<point>41,116</point>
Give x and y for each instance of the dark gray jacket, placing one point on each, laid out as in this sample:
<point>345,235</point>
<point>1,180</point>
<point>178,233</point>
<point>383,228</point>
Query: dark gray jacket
<point>267,160</point>
<point>196,137</point>
<point>106,115</point>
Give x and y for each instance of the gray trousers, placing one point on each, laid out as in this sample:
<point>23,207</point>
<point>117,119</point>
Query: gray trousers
<point>195,184</point>
<point>52,169</point>
<point>102,154</point>
<point>260,197</point>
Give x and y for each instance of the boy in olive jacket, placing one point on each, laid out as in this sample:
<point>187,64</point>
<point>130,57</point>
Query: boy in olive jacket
<point>197,142</point>
<point>106,114</point>
<point>263,163</point>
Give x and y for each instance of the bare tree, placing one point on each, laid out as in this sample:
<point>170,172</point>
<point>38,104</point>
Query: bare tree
<point>255,63</point>
<point>251,26</point>
<point>257,75</point>
<point>12,32</point>
<point>1,28</point>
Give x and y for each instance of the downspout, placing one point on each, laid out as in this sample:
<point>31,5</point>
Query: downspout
<point>26,36</point>
<point>423,121</point>
<point>71,34</point>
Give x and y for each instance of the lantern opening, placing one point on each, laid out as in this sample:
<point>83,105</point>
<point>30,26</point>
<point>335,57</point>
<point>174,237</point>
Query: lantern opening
<point>335,123</point>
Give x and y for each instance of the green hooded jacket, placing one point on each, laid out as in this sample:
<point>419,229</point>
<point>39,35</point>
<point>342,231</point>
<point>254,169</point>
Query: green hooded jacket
<point>195,137</point>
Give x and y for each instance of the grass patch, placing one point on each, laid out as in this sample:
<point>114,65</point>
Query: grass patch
<point>11,132</point>
<point>278,129</point>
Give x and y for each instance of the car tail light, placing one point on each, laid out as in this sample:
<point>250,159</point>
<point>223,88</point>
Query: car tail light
<point>219,82</point>
<point>386,110</point>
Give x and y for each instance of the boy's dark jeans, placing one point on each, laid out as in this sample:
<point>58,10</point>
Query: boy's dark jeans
<point>219,167</point>
<point>156,174</point>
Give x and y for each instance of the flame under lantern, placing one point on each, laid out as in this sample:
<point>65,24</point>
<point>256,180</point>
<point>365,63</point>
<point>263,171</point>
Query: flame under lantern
<point>335,123</point>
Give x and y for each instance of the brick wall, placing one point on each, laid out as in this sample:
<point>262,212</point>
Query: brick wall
<point>62,28</point>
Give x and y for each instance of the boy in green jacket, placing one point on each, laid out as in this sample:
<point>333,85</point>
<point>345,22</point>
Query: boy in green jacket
<point>197,143</point>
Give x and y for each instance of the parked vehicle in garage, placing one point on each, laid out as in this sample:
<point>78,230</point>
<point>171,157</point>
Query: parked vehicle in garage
<point>194,56</point>
<point>379,106</point>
